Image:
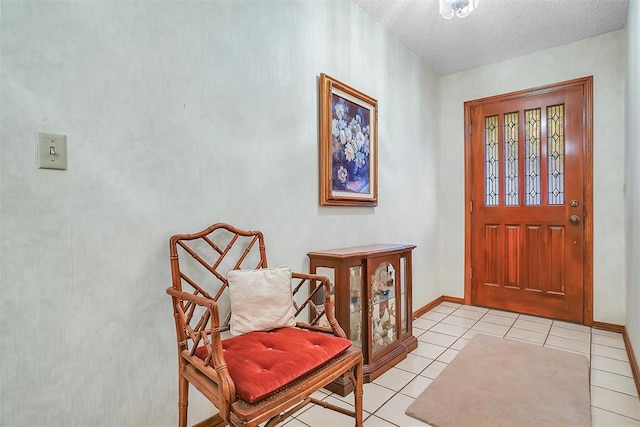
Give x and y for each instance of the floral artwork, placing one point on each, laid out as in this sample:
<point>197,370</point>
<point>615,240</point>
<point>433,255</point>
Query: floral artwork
<point>348,145</point>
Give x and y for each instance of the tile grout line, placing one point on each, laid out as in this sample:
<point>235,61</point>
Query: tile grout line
<point>611,389</point>
<point>608,410</point>
<point>615,413</point>
<point>512,325</point>
<point>611,358</point>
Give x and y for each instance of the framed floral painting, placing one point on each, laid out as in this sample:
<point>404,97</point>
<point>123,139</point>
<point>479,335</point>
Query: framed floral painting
<point>348,145</point>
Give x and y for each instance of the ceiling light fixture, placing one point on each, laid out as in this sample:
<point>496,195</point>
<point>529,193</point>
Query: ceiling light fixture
<point>459,8</point>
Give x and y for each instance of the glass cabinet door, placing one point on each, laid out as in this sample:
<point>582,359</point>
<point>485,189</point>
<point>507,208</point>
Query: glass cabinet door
<point>404,319</point>
<point>355,305</point>
<point>319,299</point>
<point>382,306</point>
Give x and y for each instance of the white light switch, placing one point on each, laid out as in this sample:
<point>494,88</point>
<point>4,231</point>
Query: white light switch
<point>52,151</point>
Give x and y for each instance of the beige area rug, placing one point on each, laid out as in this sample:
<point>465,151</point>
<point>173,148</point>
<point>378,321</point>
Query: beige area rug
<point>500,382</point>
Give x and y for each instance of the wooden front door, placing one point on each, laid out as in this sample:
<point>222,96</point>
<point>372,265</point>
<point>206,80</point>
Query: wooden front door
<point>529,219</point>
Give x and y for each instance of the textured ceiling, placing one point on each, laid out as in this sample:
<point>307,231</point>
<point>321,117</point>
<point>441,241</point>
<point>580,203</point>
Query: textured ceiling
<point>496,30</point>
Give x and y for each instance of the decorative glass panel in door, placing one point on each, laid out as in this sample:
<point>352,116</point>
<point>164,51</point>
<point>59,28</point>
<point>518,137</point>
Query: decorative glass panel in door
<point>382,306</point>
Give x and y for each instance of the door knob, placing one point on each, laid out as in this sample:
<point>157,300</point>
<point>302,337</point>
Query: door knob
<point>574,219</point>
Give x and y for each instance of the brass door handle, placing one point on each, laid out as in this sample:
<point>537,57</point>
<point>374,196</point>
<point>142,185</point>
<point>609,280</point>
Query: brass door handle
<point>574,219</point>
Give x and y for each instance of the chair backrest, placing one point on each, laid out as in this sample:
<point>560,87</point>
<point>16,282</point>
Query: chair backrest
<point>200,262</point>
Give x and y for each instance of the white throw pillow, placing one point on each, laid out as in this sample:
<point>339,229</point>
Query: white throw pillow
<point>260,299</point>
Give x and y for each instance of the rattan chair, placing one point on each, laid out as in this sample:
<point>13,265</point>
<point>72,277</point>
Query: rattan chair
<point>226,369</point>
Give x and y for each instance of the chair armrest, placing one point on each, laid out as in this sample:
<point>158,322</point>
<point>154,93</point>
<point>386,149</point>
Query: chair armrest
<point>185,306</point>
<point>325,285</point>
<point>196,299</point>
<point>193,332</point>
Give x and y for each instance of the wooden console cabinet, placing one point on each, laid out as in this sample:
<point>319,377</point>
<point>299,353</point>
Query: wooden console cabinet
<point>372,302</point>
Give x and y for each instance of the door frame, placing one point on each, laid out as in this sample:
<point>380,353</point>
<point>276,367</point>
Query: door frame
<point>587,107</point>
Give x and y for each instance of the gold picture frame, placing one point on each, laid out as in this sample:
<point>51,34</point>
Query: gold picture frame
<point>348,145</point>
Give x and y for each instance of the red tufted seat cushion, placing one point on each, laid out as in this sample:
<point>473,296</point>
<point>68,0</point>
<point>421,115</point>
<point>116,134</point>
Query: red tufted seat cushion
<point>260,363</point>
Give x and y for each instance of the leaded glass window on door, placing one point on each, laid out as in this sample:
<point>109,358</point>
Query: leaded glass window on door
<point>524,158</point>
<point>491,161</point>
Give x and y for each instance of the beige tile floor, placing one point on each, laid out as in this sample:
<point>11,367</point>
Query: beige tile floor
<point>444,331</point>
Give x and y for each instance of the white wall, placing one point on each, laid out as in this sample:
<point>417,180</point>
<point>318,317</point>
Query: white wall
<point>632,176</point>
<point>178,115</point>
<point>602,57</point>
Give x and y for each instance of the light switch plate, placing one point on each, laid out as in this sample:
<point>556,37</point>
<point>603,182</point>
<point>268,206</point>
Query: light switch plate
<point>52,151</point>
